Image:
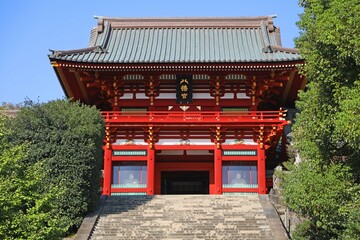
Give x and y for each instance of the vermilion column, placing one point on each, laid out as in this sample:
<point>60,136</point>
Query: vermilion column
<point>107,171</point>
<point>150,171</point>
<point>261,171</point>
<point>217,171</point>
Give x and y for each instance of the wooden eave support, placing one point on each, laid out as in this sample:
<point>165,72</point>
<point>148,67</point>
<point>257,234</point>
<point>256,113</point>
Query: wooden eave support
<point>81,85</point>
<point>63,78</point>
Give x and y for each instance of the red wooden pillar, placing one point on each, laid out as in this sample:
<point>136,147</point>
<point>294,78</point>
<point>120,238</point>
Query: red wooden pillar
<point>150,171</point>
<point>107,171</point>
<point>217,171</point>
<point>261,171</point>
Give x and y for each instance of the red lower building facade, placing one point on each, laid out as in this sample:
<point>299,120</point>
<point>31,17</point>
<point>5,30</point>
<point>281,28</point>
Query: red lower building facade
<point>191,105</point>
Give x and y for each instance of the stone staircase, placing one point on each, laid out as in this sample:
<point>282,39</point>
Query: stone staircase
<point>184,217</point>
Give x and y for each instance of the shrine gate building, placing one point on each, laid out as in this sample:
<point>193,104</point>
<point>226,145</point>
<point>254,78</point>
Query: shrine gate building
<point>191,105</point>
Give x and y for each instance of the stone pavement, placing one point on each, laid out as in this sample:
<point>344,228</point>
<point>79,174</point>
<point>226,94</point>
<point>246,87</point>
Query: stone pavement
<point>184,217</point>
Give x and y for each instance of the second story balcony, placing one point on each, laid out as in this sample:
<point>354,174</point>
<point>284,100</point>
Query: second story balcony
<point>248,118</point>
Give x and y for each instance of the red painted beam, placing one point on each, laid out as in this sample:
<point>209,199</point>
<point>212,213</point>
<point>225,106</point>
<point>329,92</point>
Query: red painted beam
<point>239,158</point>
<point>129,158</point>
<point>129,147</point>
<point>239,147</point>
<point>184,147</point>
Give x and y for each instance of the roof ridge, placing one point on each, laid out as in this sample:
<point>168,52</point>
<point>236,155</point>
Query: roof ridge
<point>187,22</point>
<point>186,18</point>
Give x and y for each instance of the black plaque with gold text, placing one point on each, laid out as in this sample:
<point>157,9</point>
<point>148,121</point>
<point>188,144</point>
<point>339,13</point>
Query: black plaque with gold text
<point>184,88</point>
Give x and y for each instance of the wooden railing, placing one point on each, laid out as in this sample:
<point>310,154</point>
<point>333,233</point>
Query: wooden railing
<point>166,117</point>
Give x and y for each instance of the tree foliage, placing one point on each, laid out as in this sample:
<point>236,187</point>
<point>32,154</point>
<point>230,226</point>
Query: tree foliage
<point>49,169</point>
<point>10,106</point>
<point>25,213</point>
<point>326,133</point>
<point>326,197</point>
<point>330,45</point>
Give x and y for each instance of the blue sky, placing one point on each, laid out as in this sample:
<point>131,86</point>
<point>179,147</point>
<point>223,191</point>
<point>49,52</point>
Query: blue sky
<point>30,28</point>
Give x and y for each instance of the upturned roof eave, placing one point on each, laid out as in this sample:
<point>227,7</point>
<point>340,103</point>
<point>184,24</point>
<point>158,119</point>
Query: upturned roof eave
<point>219,63</point>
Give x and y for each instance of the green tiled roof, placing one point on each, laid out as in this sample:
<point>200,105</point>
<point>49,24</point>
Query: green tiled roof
<point>182,40</point>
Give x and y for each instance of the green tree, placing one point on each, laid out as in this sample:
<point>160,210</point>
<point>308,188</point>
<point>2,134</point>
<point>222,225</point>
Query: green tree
<point>326,133</point>
<point>325,196</point>
<point>25,213</point>
<point>10,106</point>
<point>63,159</point>
<point>330,45</point>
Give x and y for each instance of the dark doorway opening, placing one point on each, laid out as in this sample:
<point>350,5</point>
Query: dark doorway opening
<point>185,182</point>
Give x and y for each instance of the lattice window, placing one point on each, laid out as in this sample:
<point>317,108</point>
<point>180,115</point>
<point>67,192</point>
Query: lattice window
<point>239,153</point>
<point>235,77</point>
<point>133,77</point>
<point>235,109</point>
<point>129,175</point>
<point>240,174</point>
<point>129,153</point>
<point>134,111</point>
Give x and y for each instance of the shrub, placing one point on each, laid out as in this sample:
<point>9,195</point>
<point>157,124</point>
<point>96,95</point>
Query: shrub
<point>64,144</point>
<point>325,196</point>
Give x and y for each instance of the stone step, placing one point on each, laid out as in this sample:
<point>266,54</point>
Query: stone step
<point>182,217</point>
